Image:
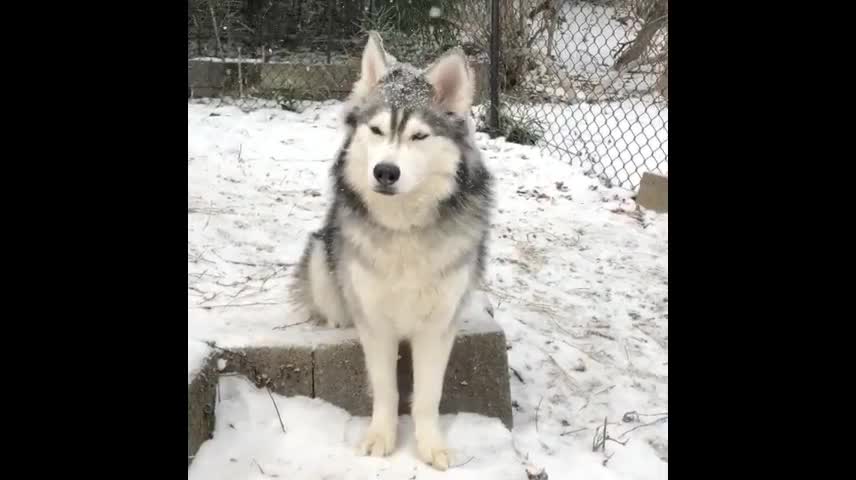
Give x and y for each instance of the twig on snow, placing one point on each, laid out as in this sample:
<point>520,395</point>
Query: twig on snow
<point>566,374</point>
<point>578,349</point>
<point>617,441</point>
<point>595,440</point>
<point>536,413</point>
<point>559,326</point>
<point>603,449</point>
<point>260,467</point>
<point>283,327</point>
<point>517,374</point>
<point>627,354</point>
<point>605,390</point>
<point>607,458</point>
<point>601,437</point>
<point>277,411</point>
<point>461,465</point>
<point>588,399</point>
<point>633,416</point>
<point>230,305</point>
<point>250,264</point>
<point>601,335</point>
<point>659,420</point>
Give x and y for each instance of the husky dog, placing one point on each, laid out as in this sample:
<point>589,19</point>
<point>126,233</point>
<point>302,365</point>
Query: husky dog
<point>403,243</point>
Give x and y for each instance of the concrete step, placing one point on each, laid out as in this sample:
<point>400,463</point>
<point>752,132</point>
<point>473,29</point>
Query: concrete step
<point>654,192</point>
<point>331,367</point>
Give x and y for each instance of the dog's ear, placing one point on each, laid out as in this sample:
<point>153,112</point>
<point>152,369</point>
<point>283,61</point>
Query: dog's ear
<point>373,66</point>
<point>453,85</point>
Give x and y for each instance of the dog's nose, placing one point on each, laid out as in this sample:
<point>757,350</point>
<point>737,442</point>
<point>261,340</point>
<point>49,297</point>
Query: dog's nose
<point>386,173</point>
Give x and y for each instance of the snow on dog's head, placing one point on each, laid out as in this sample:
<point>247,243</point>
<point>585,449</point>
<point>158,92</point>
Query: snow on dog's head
<point>409,128</point>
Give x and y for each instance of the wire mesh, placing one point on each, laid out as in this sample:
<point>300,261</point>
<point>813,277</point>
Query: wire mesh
<point>588,81</point>
<point>585,80</point>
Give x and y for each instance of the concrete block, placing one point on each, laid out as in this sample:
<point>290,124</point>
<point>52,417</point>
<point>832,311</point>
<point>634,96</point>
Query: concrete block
<point>208,79</point>
<point>286,370</point>
<point>309,82</point>
<point>654,192</point>
<point>476,377</point>
<point>205,74</point>
<point>201,398</point>
<point>340,376</point>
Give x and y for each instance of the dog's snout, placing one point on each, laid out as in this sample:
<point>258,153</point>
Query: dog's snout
<point>386,173</point>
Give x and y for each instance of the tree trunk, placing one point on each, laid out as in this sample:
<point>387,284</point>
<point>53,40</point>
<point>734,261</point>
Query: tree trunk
<point>552,17</point>
<point>219,48</point>
<point>654,20</point>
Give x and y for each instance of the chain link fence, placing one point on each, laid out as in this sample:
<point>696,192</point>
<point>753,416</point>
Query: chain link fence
<point>585,80</point>
<point>284,53</point>
<point>588,81</point>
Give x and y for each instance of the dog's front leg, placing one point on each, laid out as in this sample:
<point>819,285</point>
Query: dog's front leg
<point>430,355</point>
<point>381,354</point>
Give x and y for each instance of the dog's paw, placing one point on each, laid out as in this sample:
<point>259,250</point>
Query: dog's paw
<point>333,322</point>
<point>432,449</point>
<point>379,441</point>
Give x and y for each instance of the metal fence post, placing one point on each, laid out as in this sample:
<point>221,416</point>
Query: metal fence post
<point>493,117</point>
<point>329,28</point>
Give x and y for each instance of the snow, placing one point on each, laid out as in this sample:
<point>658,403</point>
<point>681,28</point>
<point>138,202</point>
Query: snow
<point>319,438</point>
<point>578,279</point>
<point>197,353</point>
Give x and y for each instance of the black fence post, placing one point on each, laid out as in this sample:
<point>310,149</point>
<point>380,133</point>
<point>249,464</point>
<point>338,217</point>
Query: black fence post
<point>493,117</point>
<point>329,29</point>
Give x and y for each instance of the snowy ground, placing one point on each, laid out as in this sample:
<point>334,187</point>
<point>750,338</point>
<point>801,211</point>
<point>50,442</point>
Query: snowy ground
<point>579,281</point>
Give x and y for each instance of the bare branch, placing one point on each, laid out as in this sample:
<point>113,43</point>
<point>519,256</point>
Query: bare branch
<point>231,305</point>
<point>517,374</point>
<point>283,327</point>
<point>277,411</point>
<point>655,422</point>
<point>260,467</point>
<point>461,465</point>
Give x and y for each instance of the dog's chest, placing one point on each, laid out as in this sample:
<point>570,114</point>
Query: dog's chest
<point>409,279</point>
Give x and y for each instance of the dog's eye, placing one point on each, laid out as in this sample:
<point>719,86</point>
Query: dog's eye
<point>419,136</point>
<point>376,131</point>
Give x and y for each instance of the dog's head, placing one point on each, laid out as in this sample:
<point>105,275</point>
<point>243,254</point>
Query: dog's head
<point>408,126</point>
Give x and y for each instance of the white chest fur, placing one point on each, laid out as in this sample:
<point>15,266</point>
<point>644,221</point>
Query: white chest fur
<point>409,282</point>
